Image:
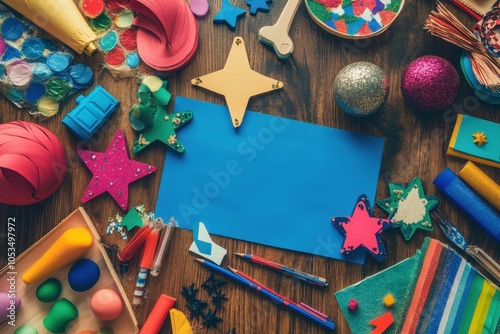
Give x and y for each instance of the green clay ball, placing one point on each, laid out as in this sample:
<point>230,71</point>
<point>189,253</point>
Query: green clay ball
<point>26,329</point>
<point>106,330</point>
<point>49,290</point>
<point>62,313</point>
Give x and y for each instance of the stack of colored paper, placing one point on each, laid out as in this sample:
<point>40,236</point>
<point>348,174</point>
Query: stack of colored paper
<point>435,291</point>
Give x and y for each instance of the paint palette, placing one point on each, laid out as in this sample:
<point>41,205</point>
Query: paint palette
<point>354,19</point>
<point>32,311</point>
<point>35,72</point>
<point>117,38</point>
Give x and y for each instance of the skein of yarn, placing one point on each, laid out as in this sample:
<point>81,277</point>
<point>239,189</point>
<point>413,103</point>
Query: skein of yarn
<point>32,163</point>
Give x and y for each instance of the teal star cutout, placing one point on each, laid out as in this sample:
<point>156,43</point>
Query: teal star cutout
<point>256,5</point>
<point>408,207</point>
<point>162,127</point>
<point>229,14</point>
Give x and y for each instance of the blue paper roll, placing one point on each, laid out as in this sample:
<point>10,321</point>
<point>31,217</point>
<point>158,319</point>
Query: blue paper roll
<point>467,199</point>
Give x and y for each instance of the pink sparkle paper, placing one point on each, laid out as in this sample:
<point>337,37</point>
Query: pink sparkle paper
<point>113,171</point>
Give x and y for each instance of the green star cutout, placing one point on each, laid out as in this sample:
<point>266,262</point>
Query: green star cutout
<point>132,219</point>
<point>162,127</point>
<point>408,207</point>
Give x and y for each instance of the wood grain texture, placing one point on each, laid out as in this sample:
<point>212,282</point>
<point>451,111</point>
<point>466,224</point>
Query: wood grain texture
<point>415,146</point>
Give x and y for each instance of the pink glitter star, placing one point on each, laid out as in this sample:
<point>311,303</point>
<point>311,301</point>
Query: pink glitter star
<point>362,230</point>
<point>113,171</point>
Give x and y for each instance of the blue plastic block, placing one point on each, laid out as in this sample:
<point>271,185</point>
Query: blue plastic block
<point>91,113</point>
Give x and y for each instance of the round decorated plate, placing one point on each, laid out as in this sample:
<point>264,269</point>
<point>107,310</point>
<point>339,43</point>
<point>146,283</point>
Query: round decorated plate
<point>354,19</point>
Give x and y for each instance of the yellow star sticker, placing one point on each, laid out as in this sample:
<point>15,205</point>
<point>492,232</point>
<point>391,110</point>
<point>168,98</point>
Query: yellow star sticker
<point>237,82</point>
<point>479,138</point>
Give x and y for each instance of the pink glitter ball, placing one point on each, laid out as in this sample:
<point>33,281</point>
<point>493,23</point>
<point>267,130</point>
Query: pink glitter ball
<point>430,83</point>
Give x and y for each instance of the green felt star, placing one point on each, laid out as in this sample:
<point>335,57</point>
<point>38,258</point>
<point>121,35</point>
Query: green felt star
<point>163,128</point>
<point>132,219</point>
<point>408,207</point>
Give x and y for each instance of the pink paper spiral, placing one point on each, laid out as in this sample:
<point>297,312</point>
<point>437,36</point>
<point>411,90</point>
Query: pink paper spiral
<point>32,163</point>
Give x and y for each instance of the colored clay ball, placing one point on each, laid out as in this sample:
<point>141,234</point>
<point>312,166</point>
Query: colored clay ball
<point>389,300</point>
<point>62,313</point>
<point>352,305</point>
<point>9,303</point>
<point>106,304</point>
<point>430,83</point>
<point>86,331</point>
<point>360,88</point>
<point>83,275</point>
<point>26,329</point>
<point>49,290</point>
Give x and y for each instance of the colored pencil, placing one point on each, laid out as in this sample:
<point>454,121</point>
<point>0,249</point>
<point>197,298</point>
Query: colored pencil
<point>309,278</point>
<point>273,296</point>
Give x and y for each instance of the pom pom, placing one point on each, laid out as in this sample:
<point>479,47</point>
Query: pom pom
<point>352,305</point>
<point>32,163</point>
<point>389,300</point>
<point>430,83</point>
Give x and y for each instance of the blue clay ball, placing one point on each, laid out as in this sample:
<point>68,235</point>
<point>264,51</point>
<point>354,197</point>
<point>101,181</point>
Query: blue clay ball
<point>83,275</point>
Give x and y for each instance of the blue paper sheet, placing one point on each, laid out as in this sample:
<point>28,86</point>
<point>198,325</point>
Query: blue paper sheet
<point>272,181</point>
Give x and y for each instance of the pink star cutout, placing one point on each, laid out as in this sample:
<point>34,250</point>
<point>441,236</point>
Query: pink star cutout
<point>362,230</point>
<point>113,171</point>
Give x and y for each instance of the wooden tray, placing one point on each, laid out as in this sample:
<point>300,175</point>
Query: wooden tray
<point>32,311</point>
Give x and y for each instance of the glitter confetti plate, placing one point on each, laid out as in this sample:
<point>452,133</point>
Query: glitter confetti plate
<point>354,19</point>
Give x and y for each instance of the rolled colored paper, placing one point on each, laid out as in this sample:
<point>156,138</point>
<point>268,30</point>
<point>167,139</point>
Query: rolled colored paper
<point>481,182</point>
<point>467,199</point>
<point>158,315</point>
<point>61,19</point>
<point>32,163</point>
<point>71,245</point>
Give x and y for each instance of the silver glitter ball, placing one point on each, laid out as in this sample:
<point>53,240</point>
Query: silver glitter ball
<point>360,88</point>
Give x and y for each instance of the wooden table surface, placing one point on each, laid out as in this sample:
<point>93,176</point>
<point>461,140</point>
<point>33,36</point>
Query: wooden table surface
<point>415,146</point>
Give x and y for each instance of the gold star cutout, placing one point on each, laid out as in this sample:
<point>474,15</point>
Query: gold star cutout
<point>237,82</point>
<point>479,138</point>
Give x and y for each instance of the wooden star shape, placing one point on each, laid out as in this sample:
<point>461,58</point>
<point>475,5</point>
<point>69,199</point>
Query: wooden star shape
<point>479,138</point>
<point>408,207</point>
<point>229,14</point>
<point>163,128</point>
<point>113,171</point>
<point>362,230</point>
<point>237,82</point>
<point>256,5</point>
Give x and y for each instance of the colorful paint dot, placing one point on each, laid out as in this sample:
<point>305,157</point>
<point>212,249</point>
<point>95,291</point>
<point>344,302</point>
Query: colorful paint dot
<point>10,53</point>
<point>92,8</point>
<point>35,92</point>
<point>33,48</point>
<point>47,106</point>
<point>58,89</point>
<point>124,19</point>
<point>19,74</point>
<point>132,60</point>
<point>108,42</point>
<point>100,23</point>
<point>41,72</point>
<point>81,74</point>
<point>389,300</point>
<point>199,8</point>
<point>128,39</point>
<point>58,61</point>
<point>49,45</point>
<point>115,58</point>
<point>15,94</point>
<point>12,29</point>
<point>2,46</point>
<point>352,305</point>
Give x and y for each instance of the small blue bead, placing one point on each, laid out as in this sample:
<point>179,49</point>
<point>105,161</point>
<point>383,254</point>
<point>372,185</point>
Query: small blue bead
<point>12,29</point>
